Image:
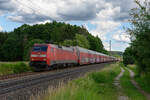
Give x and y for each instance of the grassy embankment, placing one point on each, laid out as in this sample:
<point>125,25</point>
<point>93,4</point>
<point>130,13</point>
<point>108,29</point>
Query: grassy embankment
<point>143,80</point>
<point>128,88</point>
<point>94,86</point>
<point>13,67</point>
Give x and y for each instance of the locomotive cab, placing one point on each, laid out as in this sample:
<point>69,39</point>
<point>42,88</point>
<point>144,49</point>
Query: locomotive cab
<point>38,56</point>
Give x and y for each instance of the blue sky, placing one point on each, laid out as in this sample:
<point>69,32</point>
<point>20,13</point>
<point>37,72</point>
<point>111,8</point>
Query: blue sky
<point>8,25</point>
<point>104,18</point>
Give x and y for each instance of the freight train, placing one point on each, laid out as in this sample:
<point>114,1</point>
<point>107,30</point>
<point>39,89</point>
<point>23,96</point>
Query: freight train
<point>49,56</point>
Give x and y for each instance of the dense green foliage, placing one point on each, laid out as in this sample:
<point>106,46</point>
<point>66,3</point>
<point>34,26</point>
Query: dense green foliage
<point>13,68</point>
<point>11,49</point>
<point>3,37</point>
<point>79,40</point>
<point>128,57</point>
<point>16,45</point>
<point>96,44</point>
<point>140,35</point>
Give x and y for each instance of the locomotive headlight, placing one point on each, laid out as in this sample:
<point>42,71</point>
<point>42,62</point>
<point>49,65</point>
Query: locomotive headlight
<point>44,59</point>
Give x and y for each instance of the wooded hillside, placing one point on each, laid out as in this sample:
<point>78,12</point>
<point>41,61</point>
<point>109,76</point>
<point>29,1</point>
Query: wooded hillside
<point>16,45</point>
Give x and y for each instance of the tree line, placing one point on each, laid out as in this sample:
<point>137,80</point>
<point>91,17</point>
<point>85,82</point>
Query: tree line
<point>16,45</point>
<point>139,50</point>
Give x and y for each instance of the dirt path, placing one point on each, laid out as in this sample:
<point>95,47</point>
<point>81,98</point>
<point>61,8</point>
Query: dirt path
<point>117,84</point>
<point>137,86</point>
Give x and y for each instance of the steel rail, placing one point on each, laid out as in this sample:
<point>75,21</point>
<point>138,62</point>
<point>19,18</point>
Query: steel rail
<point>13,85</point>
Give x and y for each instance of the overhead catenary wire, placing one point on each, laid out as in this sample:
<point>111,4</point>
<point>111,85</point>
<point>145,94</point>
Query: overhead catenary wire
<point>35,10</point>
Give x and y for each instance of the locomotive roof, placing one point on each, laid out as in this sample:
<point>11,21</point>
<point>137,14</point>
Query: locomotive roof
<point>61,47</point>
<point>72,49</point>
<point>81,49</point>
<point>91,51</point>
<point>56,46</point>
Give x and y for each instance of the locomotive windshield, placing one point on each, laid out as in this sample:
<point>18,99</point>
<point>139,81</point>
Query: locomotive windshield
<point>39,48</point>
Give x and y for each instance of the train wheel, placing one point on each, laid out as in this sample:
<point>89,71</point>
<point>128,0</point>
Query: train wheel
<point>47,68</point>
<point>50,67</point>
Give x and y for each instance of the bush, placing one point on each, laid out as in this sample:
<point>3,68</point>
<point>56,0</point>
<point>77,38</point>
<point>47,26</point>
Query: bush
<point>6,69</point>
<point>128,57</point>
<point>21,67</point>
<point>98,77</point>
<point>13,68</point>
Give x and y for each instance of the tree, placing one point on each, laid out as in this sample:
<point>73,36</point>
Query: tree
<point>69,43</point>
<point>128,57</point>
<point>80,40</point>
<point>3,38</point>
<point>11,50</point>
<point>140,35</point>
<point>96,44</point>
<point>59,33</point>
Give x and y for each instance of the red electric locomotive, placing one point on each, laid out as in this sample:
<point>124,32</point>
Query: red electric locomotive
<point>48,56</point>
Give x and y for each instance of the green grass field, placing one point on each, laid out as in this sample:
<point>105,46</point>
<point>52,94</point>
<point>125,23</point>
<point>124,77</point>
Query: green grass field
<point>128,88</point>
<point>94,86</point>
<point>13,67</point>
<point>143,80</point>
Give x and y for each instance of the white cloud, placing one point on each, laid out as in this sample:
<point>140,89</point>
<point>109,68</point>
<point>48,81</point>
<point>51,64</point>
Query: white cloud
<point>115,46</point>
<point>106,45</point>
<point>121,36</point>
<point>108,21</point>
<point>119,46</point>
<point>42,22</point>
<point>99,34</point>
<point>65,10</point>
<point>16,18</point>
<point>1,28</point>
<point>61,10</point>
<point>104,21</point>
<point>106,26</point>
<point>106,15</point>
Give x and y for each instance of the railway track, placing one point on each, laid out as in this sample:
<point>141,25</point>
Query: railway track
<point>28,81</point>
<point>24,74</point>
<point>11,76</point>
